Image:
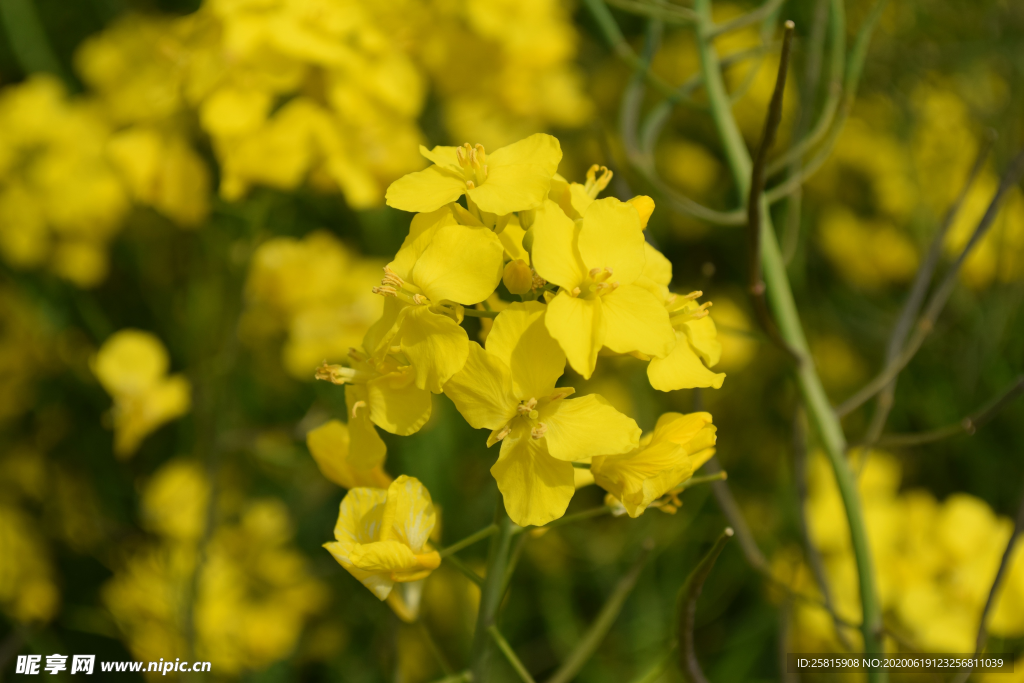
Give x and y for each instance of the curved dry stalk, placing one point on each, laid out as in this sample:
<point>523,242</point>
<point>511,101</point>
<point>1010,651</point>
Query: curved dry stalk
<point>686,607</point>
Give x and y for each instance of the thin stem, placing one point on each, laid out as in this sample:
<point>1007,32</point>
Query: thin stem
<point>510,654</point>
<point>918,290</point>
<point>673,14</point>
<point>731,509</point>
<point>747,19</point>
<point>462,677</point>
<point>435,651</point>
<point>655,672</point>
<point>697,481</point>
<point>591,640</point>
<point>687,609</point>
<point>464,570</point>
<point>491,593</point>
<point>780,298</point>
<point>968,425</point>
<point>469,540</point>
<point>569,519</point>
<point>939,297</point>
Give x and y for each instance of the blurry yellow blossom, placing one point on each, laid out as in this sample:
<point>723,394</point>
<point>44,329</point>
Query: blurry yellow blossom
<point>253,590</point>
<point>28,592</point>
<point>867,253</point>
<point>934,561</point>
<point>596,266</point>
<point>132,366</point>
<point>315,289</point>
<point>509,388</point>
<point>665,458</point>
<point>839,366</point>
<point>735,334</point>
<point>25,348</point>
<point>688,166</point>
<point>330,445</point>
<point>381,535</point>
<point>60,199</point>
<point>513,178</point>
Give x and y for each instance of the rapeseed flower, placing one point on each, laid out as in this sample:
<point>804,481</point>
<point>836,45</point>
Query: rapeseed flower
<point>510,389</point>
<point>597,264</point>
<point>382,535</point>
<point>331,447</point>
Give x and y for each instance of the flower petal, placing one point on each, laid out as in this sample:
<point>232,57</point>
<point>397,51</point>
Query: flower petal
<point>397,405</point>
<point>365,444</point>
<point>578,326</point>
<point>610,237</point>
<point>482,390</point>
<point>521,340</point>
<point>421,233</point>
<point>330,446</point>
<point>409,515</point>
<point>436,345</point>
<point>580,428</point>
<point>359,516</point>
<point>426,190</point>
<point>383,557</point>
<point>461,264</point>
<point>518,176</point>
<point>636,321</point>
<point>443,156</point>
<point>682,369</point>
<point>703,336</point>
<point>536,487</point>
<point>555,254</point>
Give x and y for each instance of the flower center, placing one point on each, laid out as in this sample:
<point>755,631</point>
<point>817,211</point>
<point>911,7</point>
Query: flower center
<point>393,285</point>
<point>473,161</point>
<point>689,311</point>
<point>598,283</point>
<point>596,183</point>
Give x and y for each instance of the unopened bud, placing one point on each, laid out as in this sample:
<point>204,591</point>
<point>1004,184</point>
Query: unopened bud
<point>518,277</point>
<point>644,206</point>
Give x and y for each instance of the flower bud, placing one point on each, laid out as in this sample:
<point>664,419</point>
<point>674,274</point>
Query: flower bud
<point>518,277</point>
<point>644,206</point>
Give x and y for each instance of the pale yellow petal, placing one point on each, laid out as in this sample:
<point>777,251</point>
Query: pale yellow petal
<point>678,428</point>
<point>521,340</point>
<point>436,345</point>
<point>682,369</point>
<point>578,327</point>
<point>482,390</point>
<point>426,190</point>
<point>365,444</point>
<point>536,487</point>
<point>409,514</point>
<point>580,428</point>
<point>610,237</point>
<point>397,405</point>
<point>379,584</point>
<point>636,321</point>
<point>556,257</point>
<point>461,264</point>
<point>330,446</point>
<point>383,557</point>
<point>359,516</point>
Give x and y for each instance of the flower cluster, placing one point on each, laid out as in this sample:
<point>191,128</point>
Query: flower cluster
<point>132,366</point>
<point>587,283</point>
<point>253,590</point>
<point>935,562</point>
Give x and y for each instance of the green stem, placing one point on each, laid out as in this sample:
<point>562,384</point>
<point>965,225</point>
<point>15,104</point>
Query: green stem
<point>780,298</point>
<point>469,540</point>
<point>510,654</point>
<point>491,594</point>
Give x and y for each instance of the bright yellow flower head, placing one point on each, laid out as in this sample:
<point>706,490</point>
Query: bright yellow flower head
<point>598,263</point>
<point>514,178</point>
<point>696,349</point>
<point>510,389</point>
<point>330,445</point>
<point>132,366</point>
<point>666,457</point>
<point>382,535</point>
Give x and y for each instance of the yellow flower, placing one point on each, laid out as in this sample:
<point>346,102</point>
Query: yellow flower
<point>27,590</point>
<point>696,348</point>
<point>132,366</point>
<point>382,535</point>
<point>666,457</point>
<point>510,389</point>
<point>514,178</point>
<point>330,445</point>
<point>174,501</point>
<point>602,301</point>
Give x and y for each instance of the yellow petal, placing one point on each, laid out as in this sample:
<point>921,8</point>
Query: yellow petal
<point>409,515</point>
<point>426,190</point>
<point>580,428</point>
<point>436,345</point>
<point>556,257</point>
<point>421,233</point>
<point>610,237</point>
<point>640,477</point>
<point>512,240</point>
<point>379,584</point>
<point>359,516</point>
<point>383,557</point>
<point>703,336</point>
<point>518,176</point>
<point>578,327</point>
<point>657,273</point>
<point>330,446</point>
<point>636,321</point>
<point>443,156</point>
<point>536,487</point>
<point>379,337</point>
<point>397,405</point>
<point>682,369</point>
<point>130,361</point>
<point>461,264</point>
<point>365,443</point>
<point>644,206</point>
<point>678,428</point>
<point>521,340</point>
<point>482,390</point>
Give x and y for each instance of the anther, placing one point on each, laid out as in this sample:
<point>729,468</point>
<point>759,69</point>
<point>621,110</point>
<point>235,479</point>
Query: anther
<point>503,433</point>
<point>694,295</point>
<point>385,291</point>
<point>575,291</point>
<point>356,406</point>
<point>539,431</point>
<point>470,184</point>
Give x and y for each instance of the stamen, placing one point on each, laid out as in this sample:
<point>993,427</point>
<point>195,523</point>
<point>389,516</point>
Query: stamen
<point>595,184</point>
<point>392,279</point>
<point>356,406</point>
<point>503,433</point>
<point>575,291</point>
<point>527,406</point>
<point>335,374</point>
<point>539,431</point>
<point>470,184</point>
<point>694,295</point>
